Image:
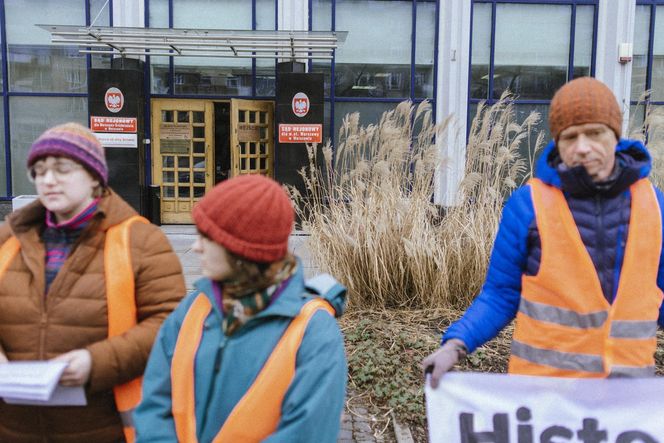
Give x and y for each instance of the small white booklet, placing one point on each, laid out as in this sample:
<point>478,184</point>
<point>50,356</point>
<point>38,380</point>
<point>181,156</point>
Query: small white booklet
<point>35,382</point>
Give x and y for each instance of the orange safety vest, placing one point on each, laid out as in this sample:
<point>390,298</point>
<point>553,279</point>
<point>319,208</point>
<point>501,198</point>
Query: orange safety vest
<point>565,327</point>
<point>121,305</point>
<point>258,412</point>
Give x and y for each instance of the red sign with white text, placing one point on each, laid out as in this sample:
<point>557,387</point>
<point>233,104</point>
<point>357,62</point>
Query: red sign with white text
<point>113,124</point>
<point>300,133</point>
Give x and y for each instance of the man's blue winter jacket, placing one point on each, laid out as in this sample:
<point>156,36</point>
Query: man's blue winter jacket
<point>226,367</point>
<point>601,214</point>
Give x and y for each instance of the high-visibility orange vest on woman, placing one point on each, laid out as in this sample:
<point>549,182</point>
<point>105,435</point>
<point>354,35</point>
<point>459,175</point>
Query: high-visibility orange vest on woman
<point>258,412</point>
<point>565,327</point>
<point>121,305</point>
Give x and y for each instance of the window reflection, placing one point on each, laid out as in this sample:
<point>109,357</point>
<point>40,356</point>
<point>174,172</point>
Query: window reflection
<point>640,52</point>
<point>657,83</point>
<point>375,59</point>
<point>531,53</point>
<point>34,64</point>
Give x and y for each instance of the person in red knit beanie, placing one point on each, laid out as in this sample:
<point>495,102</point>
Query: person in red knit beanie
<point>254,352</point>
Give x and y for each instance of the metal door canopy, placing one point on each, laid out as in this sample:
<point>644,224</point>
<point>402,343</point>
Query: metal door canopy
<point>197,42</point>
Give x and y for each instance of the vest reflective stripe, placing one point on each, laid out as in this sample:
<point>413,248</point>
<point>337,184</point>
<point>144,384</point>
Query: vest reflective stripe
<point>566,317</point>
<point>258,412</point>
<point>120,295</point>
<point>633,329</point>
<point>565,326</point>
<point>629,372</point>
<point>121,306</point>
<point>556,359</point>
<point>8,251</point>
<point>182,369</point>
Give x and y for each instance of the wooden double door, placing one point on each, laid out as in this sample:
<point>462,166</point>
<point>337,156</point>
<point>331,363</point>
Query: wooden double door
<point>184,146</point>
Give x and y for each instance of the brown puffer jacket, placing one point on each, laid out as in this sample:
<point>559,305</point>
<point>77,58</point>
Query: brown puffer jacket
<point>73,315</point>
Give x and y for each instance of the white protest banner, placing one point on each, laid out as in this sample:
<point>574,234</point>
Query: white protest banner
<point>500,408</point>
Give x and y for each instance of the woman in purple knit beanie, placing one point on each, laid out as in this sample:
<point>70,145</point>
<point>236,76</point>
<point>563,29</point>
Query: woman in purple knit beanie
<point>86,282</point>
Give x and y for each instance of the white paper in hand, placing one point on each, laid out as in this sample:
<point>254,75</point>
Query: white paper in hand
<point>30,380</point>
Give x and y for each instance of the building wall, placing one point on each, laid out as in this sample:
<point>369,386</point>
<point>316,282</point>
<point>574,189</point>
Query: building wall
<point>453,53</point>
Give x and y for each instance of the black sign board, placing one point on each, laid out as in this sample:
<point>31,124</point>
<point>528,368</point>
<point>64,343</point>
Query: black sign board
<point>299,120</point>
<point>116,106</point>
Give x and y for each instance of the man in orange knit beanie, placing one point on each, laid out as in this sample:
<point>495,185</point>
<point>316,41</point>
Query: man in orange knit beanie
<point>577,259</point>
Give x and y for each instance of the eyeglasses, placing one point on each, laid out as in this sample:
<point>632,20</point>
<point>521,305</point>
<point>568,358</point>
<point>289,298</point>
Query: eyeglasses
<point>61,169</point>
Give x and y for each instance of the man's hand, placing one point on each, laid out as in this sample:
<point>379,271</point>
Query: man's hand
<point>3,358</point>
<point>78,369</point>
<point>443,360</point>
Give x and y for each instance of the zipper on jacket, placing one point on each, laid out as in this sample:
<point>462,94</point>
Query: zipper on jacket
<point>600,242</point>
<point>42,333</point>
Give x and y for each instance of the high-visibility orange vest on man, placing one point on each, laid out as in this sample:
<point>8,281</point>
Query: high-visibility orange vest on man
<point>577,259</point>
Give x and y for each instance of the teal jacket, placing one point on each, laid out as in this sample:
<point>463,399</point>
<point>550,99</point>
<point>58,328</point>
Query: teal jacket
<point>226,367</point>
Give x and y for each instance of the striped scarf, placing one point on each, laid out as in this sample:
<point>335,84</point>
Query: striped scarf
<point>240,302</point>
<point>59,238</point>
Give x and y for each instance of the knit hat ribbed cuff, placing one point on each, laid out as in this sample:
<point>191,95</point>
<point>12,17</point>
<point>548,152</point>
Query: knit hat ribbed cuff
<point>74,141</point>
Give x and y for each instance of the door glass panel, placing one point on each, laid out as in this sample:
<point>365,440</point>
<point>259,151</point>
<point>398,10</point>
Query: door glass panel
<point>183,177</point>
<point>199,132</point>
<point>167,161</point>
<point>167,116</point>
<point>199,147</point>
<point>199,191</point>
<point>183,191</point>
<point>168,191</point>
<point>183,117</point>
<point>183,162</point>
<point>199,117</point>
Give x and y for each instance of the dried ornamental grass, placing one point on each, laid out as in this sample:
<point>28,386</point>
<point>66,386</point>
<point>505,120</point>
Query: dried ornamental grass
<point>370,212</point>
<point>651,132</point>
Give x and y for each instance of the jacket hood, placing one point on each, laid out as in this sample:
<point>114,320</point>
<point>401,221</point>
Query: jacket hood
<point>296,293</point>
<point>633,150</point>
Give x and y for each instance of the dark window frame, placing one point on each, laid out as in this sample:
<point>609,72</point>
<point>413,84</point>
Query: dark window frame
<point>331,98</point>
<point>570,68</point>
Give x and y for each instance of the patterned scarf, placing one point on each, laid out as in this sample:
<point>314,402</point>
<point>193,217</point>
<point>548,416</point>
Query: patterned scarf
<point>243,298</point>
<point>59,238</point>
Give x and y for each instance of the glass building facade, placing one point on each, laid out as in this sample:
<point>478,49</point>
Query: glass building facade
<point>393,52</point>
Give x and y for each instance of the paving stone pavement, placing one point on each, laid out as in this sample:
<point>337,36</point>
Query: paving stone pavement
<point>354,427</point>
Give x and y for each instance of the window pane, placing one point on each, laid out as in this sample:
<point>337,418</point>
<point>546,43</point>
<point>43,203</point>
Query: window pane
<point>159,70</point>
<point>34,64</point>
<point>29,117</point>
<point>265,14</point>
<point>99,10</point>
<point>375,59</point>
<point>583,40</point>
<point>212,14</point>
<point>205,75</point>
<point>370,113</point>
<point>100,16</point>
<point>321,15</point>
<point>424,51</point>
<point>481,51</point>
<point>640,52</point>
<point>658,57</point>
<point>532,49</point>
<point>158,14</point>
<point>266,81</point>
